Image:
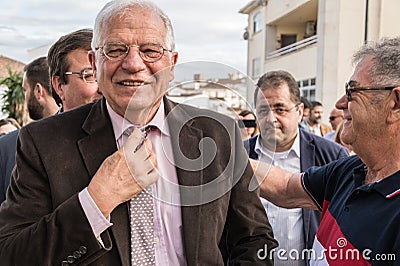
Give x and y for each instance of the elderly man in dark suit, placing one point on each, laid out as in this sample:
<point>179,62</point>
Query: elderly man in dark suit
<point>279,111</point>
<point>133,179</point>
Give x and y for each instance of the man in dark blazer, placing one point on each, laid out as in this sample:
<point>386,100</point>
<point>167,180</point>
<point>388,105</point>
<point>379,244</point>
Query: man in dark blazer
<point>69,196</point>
<point>40,103</point>
<point>281,141</point>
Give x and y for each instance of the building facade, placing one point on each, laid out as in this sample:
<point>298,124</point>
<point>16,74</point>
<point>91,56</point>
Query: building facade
<point>314,40</point>
<point>223,95</point>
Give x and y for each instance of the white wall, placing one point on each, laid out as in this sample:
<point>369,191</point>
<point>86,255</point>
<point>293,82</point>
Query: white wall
<point>341,33</point>
<point>279,8</point>
<point>301,64</point>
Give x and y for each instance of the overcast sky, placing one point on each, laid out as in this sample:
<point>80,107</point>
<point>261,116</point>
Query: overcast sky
<point>209,30</point>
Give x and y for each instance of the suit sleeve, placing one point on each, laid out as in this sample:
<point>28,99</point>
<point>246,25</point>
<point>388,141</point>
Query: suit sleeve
<point>248,233</point>
<point>33,230</point>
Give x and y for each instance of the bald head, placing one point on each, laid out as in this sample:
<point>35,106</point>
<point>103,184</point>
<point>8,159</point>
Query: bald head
<point>335,117</point>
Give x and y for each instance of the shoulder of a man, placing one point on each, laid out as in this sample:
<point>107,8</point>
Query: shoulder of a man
<point>323,146</point>
<point>204,119</point>
<point>64,123</point>
<point>321,182</point>
<point>8,141</point>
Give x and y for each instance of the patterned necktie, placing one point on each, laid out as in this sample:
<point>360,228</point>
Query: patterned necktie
<point>142,223</point>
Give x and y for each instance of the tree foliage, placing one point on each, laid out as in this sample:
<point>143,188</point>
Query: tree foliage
<point>14,96</point>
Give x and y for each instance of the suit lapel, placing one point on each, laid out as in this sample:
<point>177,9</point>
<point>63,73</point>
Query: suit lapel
<point>185,141</point>
<point>307,152</point>
<point>307,159</point>
<point>95,147</point>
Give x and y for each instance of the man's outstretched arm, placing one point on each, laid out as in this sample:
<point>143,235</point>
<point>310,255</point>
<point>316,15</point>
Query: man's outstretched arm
<point>281,187</point>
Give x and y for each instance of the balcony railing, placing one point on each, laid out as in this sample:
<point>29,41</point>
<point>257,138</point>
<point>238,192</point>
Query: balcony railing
<point>292,47</point>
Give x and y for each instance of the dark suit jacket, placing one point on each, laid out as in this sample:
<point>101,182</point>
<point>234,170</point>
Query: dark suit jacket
<point>42,221</point>
<point>8,146</point>
<point>314,151</point>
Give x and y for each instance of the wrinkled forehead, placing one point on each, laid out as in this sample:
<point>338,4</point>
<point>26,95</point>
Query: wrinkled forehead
<point>362,72</point>
<point>134,20</point>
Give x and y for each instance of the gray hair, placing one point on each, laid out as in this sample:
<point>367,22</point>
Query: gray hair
<point>120,8</point>
<point>385,70</point>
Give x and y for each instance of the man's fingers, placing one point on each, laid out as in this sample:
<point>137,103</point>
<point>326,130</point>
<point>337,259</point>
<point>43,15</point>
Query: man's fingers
<point>134,139</point>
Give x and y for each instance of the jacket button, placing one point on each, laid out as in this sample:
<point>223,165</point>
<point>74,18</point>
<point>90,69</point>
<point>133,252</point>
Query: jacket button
<point>70,259</point>
<point>76,254</point>
<point>82,250</point>
<point>65,263</point>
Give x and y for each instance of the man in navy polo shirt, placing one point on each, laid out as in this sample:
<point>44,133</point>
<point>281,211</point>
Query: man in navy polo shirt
<point>359,196</point>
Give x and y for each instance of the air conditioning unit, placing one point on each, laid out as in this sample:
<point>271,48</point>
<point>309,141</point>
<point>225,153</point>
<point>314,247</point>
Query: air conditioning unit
<point>310,28</point>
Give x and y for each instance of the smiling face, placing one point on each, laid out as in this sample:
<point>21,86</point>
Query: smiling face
<point>316,115</point>
<point>364,115</point>
<point>131,83</point>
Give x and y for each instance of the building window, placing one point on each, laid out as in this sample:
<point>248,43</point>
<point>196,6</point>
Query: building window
<point>256,67</point>
<point>257,22</point>
<point>307,88</point>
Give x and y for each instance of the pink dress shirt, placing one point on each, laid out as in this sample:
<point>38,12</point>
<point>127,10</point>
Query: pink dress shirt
<point>167,211</point>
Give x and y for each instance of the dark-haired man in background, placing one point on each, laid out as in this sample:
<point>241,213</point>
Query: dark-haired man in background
<point>279,111</point>
<point>71,75</point>
<point>313,123</point>
<point>40,102</point>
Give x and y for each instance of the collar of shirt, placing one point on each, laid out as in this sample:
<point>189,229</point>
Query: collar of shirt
<point>293,151</point>
<point>120,124</point>
<point>167,217</point>
<point>388,187</point>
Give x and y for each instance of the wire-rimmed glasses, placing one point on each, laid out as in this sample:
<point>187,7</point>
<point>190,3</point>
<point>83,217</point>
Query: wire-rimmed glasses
<point>149,52</point>
<point>85,74</point>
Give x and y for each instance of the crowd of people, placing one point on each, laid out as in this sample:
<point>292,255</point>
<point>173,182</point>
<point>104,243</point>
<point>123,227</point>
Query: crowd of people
<point>112,172</point>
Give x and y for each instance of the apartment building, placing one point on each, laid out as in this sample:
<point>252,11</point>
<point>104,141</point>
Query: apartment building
<point>314,40</point>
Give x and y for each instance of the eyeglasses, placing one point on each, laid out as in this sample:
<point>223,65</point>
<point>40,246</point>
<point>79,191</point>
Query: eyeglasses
<point>350,89</point>
<point>277,110</point>
<point>86,74</point>
<point>149,52</point>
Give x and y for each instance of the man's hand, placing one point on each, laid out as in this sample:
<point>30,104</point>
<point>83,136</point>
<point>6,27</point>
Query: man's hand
<point>124,174</point>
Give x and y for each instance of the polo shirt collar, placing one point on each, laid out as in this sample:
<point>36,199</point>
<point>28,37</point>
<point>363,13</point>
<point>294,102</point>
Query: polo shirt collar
<point>388,187</point>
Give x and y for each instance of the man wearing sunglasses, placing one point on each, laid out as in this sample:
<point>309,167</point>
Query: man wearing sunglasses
<point>359,196</point>
<point>335,118</point>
